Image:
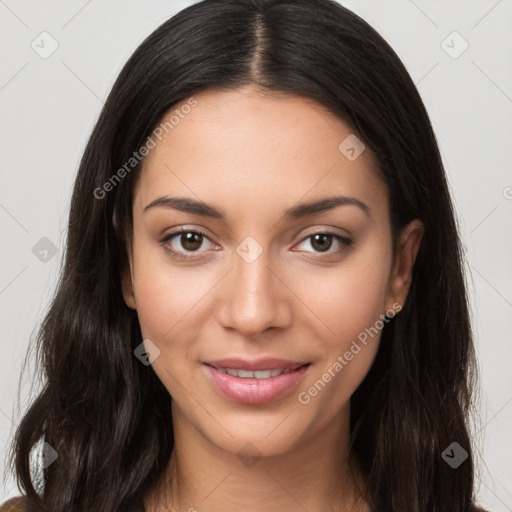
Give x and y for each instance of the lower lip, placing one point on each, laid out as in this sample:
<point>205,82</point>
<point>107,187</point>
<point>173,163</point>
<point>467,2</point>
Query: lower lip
<point>254,391</point>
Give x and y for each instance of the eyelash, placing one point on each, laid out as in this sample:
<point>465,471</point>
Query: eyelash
<point>170,236</point>
<point>345,242</point>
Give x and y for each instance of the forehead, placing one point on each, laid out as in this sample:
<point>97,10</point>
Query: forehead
<point>246,147</point>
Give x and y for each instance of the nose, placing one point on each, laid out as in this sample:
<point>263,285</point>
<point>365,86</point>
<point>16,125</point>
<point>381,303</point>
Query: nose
<point>254,297</point>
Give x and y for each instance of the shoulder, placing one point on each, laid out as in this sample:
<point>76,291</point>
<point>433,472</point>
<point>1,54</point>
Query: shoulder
<point>13,505</point>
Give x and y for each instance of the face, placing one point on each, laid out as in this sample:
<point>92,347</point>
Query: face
<point>252,275</point>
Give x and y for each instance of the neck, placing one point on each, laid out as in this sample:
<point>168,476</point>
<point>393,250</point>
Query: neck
<point>314,476</point>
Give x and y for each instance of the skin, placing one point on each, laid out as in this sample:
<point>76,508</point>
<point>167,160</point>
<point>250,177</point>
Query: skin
<point>253,155</point>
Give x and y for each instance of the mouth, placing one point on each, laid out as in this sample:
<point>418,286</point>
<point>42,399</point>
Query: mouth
<point>257,374</point>
<point>255,386</point>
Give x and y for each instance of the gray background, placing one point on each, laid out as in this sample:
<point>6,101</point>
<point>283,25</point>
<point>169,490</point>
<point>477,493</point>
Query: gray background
<point>49,105</point>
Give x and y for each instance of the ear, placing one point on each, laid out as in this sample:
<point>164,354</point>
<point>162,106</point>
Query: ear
<point>127,286</point>
<point>407,250</point>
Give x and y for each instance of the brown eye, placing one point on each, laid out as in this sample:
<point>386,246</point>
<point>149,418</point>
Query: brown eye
<point>191,241</point>
<point>323,242</point>
<point>184,243</point>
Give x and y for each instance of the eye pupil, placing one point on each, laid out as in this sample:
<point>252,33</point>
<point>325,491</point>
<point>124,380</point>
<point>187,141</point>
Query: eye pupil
<point>195,239</point>
<point>323,246</point>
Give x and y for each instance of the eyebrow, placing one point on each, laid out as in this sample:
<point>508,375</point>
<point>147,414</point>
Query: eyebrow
<point>190,205</point>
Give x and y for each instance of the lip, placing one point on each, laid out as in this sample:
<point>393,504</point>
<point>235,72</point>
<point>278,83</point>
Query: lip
<point>254,391</point>
<point>267,363</point>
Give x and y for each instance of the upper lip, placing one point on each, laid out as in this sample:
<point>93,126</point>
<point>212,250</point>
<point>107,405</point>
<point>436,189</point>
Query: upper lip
<point>267,363</point>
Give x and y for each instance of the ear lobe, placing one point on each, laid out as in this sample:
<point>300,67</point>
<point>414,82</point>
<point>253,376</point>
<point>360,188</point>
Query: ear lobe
<point>407,250</point>
<point>127,287</point>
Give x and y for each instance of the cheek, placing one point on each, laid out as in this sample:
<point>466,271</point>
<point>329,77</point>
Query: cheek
<point>350,299</point>
<point>166,300</point>
<point>167,309</point>
<point>352,314</point>
<point>349,302</point>
<point>166,296</point>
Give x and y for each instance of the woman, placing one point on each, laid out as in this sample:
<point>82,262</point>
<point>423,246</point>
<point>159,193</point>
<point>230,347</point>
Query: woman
<point>262,304</point>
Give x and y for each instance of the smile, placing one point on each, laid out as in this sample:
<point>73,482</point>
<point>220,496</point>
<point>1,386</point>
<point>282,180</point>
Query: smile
<point>254,386</point>
<point>247,374</point>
